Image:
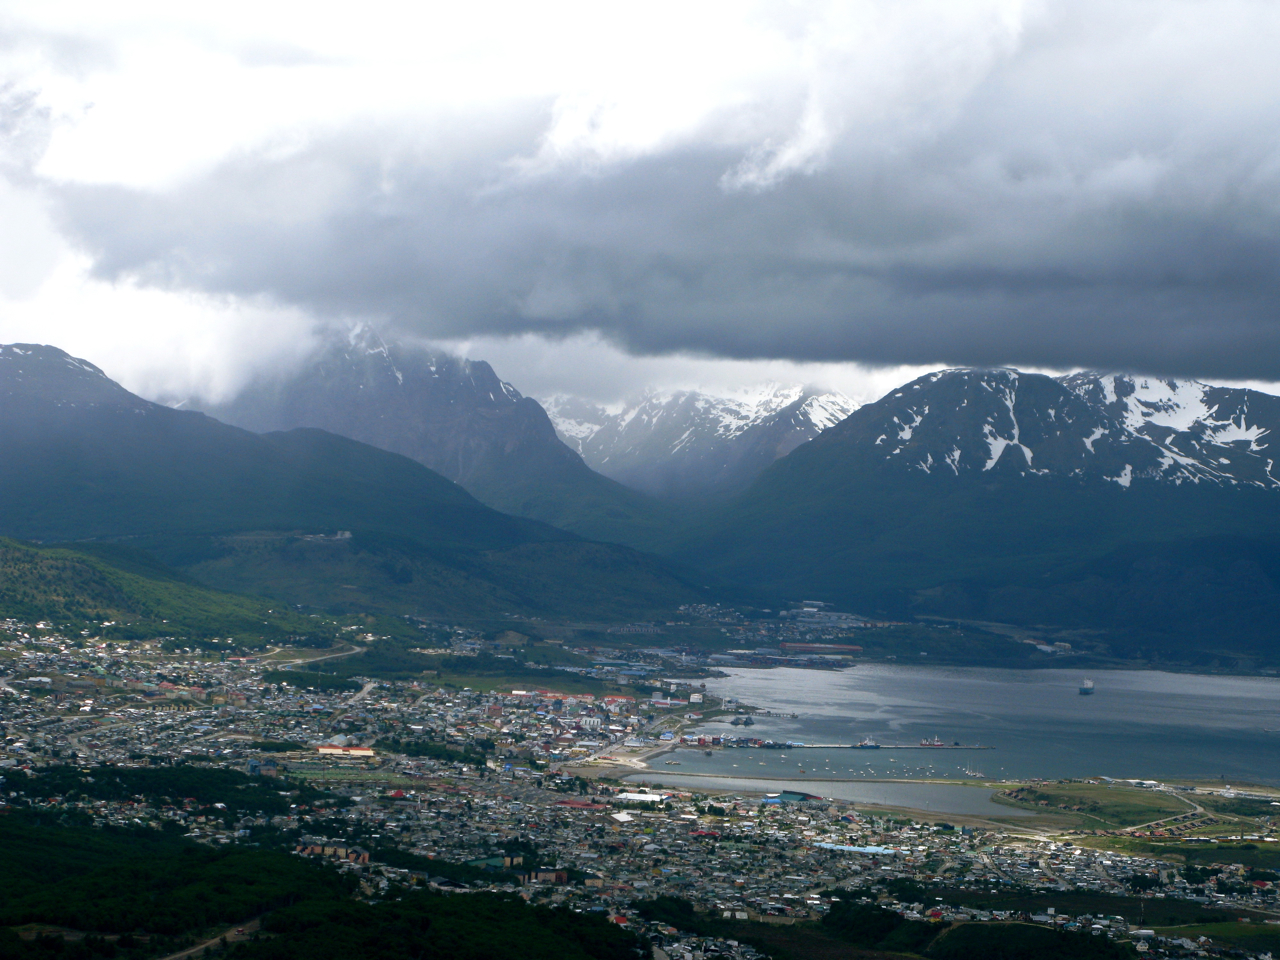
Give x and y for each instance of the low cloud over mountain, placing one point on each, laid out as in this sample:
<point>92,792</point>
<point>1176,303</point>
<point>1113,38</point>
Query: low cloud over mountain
<point>1053,185</point>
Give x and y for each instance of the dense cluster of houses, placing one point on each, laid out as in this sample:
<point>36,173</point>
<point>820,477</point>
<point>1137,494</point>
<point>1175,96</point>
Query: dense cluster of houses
<point>465,777</point>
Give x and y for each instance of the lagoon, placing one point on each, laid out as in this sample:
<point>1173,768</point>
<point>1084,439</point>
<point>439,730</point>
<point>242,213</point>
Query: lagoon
<point>941,798</point>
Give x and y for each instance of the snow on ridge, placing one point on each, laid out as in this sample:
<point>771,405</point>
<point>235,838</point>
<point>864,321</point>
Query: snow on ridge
<point>905,430</point>
<point>1228,431</point>
<point>725,415</point>
<point>996,443</point>
<point>576,421</point>
<point>1171,404</point>
<point>827,409</point>
<point>1176,404</point>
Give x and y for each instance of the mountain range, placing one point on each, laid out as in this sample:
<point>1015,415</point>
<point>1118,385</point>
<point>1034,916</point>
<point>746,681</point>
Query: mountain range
<point>690,444</point>
<point>304,516</point>
<point>1138,510</point>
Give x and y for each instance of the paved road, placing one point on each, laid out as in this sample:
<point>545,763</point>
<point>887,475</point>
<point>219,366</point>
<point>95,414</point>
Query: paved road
<point>364,692</point>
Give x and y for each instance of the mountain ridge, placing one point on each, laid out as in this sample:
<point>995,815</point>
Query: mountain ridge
<point>687,444</point>
<point>454,416</point>
<point>1110,426</point>
<point>999,495</point>
<point>266,513</point>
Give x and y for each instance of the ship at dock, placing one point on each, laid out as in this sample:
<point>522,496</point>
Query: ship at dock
<point>866,743</point>
<point>1086,687</point>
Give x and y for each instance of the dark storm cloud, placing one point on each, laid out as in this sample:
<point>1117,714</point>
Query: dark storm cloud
<point>1114,210</point>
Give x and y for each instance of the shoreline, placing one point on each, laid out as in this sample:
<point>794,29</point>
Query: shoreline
<point>1067,663</point>
<point>987,784</point>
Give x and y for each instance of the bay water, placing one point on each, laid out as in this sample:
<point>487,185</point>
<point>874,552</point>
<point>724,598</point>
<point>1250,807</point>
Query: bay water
<point>1139,724</point>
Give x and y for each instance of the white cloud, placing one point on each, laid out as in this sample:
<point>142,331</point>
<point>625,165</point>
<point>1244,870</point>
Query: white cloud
<point>588,366</point>
<point>163,345</point>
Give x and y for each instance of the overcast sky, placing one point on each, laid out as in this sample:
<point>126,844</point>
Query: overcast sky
<point>598,196</point>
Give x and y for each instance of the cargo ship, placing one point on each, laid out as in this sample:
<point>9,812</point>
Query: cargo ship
<point>866,743</point>
<point>1086,688</point>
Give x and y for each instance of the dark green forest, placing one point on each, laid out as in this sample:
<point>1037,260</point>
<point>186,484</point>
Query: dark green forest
<point>144,893</point>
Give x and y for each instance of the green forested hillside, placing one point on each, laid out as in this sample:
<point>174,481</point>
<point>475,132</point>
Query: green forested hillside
<point>303,517</point>
<point>140,894</point>
<point>1165,568</point>
<point>374,571</point>
<point>140,597</point>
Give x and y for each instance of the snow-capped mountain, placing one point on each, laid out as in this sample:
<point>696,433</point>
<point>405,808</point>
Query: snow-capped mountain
<point>1110,427</point>
<point>1142,510</point>
<point>1204,433</point>
<point>453,415</point>
<point>688,443</point>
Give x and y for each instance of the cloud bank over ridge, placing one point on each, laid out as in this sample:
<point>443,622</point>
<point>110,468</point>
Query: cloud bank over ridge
<point>1042,184</point>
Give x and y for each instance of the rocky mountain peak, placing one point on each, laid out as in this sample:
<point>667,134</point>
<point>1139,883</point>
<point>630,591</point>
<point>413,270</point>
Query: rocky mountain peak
<point>34,371</point>
<point>691,443</point>
<point>454,415</point>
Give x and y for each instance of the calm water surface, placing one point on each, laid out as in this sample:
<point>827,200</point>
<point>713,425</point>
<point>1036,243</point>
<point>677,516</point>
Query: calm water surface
<point>948,798</point>
<point>1139,724</point>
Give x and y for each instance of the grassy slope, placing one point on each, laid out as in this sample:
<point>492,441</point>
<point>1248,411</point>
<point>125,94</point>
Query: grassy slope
<point>72,587</point>
<point>118,882</point>
<point>1253,937</point>
<point>101,473</point>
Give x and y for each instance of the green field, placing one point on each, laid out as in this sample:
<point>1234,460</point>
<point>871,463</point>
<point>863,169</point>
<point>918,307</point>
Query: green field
<point>395,659</point>
<point>559,681</point>
<point>1263,856</point>
<point>1136,910</point>
<point>1239,807</point>
<point>1254,937</point>
<point>1099,806</point>
<point>344,776</point>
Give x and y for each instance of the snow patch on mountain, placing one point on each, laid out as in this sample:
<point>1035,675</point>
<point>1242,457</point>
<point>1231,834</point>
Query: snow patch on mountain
<point>689,441</point>
<point>1111,427</point>
<point>1125,478</point>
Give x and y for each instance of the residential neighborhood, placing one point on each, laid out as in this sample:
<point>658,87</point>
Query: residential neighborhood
<point>501,782</point>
